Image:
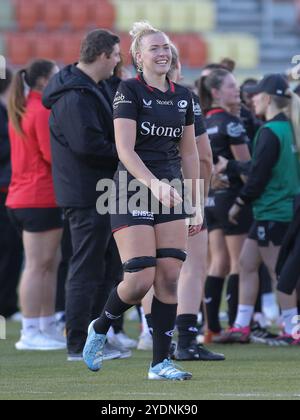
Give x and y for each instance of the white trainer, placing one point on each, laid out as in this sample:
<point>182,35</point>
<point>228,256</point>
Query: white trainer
<point>39,342</point>
<point>145,342</point>
<point>122,340</point>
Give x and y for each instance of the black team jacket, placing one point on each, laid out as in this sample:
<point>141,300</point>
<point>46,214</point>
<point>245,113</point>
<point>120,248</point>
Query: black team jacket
<point>82,136</point>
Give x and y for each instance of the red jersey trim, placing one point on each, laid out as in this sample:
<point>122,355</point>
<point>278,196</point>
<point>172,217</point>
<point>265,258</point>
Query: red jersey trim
<point>215,111</point>
<point>141,80</point>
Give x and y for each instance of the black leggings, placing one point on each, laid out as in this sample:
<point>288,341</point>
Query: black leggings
<point>290,273</point>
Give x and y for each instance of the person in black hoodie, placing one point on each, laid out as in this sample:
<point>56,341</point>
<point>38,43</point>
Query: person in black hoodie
<point>11,251</point>
<point>84,152</point>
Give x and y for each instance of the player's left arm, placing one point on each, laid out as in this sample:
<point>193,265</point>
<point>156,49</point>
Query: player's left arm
<point>191,169</point>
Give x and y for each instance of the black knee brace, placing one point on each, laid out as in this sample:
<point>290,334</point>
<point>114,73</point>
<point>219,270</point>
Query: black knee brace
<point>178,254</point>
<point>139,264</point>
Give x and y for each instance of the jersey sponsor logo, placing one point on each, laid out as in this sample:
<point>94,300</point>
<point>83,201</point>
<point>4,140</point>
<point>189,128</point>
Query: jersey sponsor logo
<point>143,214</point>
<point>120,99</point>
<point>165,103</point>
<point>235,129</point>
<point>147,104</point>
<point>153,130</point>
<point>197,110</point>
<point>212,130</point>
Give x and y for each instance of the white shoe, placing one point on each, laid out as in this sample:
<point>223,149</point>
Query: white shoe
<point>56,336</point>
<point>145,342</point>
<point>122,340</point>
<point>38,342</point>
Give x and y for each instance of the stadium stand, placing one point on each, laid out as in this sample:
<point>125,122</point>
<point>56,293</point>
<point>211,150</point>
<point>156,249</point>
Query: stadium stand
<point>252,32</point>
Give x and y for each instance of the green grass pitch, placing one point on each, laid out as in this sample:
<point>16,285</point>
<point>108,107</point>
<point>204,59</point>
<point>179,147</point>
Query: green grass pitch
<point>251,372</point>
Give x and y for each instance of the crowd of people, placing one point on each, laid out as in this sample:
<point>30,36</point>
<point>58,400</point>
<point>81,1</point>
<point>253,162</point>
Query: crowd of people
<point>166,248</point>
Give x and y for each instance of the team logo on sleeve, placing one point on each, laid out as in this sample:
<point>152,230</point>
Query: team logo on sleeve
<point>197,109</point>
<point>147,104</point>
<point>235,129</point>
<point>120,99</point>
<point>182,105</point>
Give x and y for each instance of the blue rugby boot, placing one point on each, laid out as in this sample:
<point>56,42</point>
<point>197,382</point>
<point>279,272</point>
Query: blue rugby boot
<point>93,351</point>
<point>167,371</point>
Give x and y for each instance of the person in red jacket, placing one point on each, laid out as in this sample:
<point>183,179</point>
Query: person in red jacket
<point>32,206</point>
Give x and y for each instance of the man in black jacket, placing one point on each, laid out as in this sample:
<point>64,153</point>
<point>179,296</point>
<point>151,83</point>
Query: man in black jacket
<point>11,251</point>
<point>83,152</point>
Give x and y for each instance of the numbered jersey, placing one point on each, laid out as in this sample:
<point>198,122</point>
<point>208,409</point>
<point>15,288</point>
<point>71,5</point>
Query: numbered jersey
<point>161,118</point>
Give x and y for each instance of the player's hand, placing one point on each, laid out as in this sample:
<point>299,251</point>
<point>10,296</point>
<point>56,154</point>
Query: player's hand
<point>221,166</point>
<point>219,182</point>
<point>234,213</point>
<point>196,223</point>
<point>166,194</point>
<point>194,230</point>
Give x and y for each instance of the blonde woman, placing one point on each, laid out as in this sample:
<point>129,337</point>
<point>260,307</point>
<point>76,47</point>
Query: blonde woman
<point>155,137</point>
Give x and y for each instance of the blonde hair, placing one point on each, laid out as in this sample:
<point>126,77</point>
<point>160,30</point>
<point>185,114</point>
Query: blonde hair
<point>293,112</point>
<point>138,32</point>
<point>175,56</point>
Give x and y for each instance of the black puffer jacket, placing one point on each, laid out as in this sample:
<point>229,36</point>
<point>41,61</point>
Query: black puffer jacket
<point>82,136</point>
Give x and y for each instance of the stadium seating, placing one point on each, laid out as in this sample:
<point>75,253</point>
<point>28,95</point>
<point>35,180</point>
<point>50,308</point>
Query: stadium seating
<point>47,46</point>
<point>28,13</point>
<point>240,47</point>
<point>19,47</point>
<point>246,50</point>
<point>191,23</point>
<point>54,14</point>
<point>70,47</point>
<point>125,47</point>
<point>127,12</point>
<point>77,14</point>
<point>190,16</point>
<point>102,13</point>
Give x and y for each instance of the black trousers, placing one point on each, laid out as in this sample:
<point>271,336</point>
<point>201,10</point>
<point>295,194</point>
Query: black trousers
<point>288,267</point>
<point>62,275</point>
<point>11,259</point>
<point>290,273</point>
<point>90,236</point>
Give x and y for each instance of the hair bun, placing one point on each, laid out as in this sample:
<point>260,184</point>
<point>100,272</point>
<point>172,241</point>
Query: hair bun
<point>140,27</point>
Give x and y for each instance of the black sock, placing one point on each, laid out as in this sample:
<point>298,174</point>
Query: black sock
<point>233,297</point>
<point>139,311</point>
<point>163,318</point>
<point>187,329</point>
<point>213,297</point>
<point>113,309</point>
<point>149,323</point>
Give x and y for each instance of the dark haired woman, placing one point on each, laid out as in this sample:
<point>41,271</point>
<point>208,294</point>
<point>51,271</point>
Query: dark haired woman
<point>219,94</point>
<point>32,206</point>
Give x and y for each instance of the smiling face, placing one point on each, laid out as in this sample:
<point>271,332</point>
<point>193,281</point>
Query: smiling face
<point>155,54</point>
